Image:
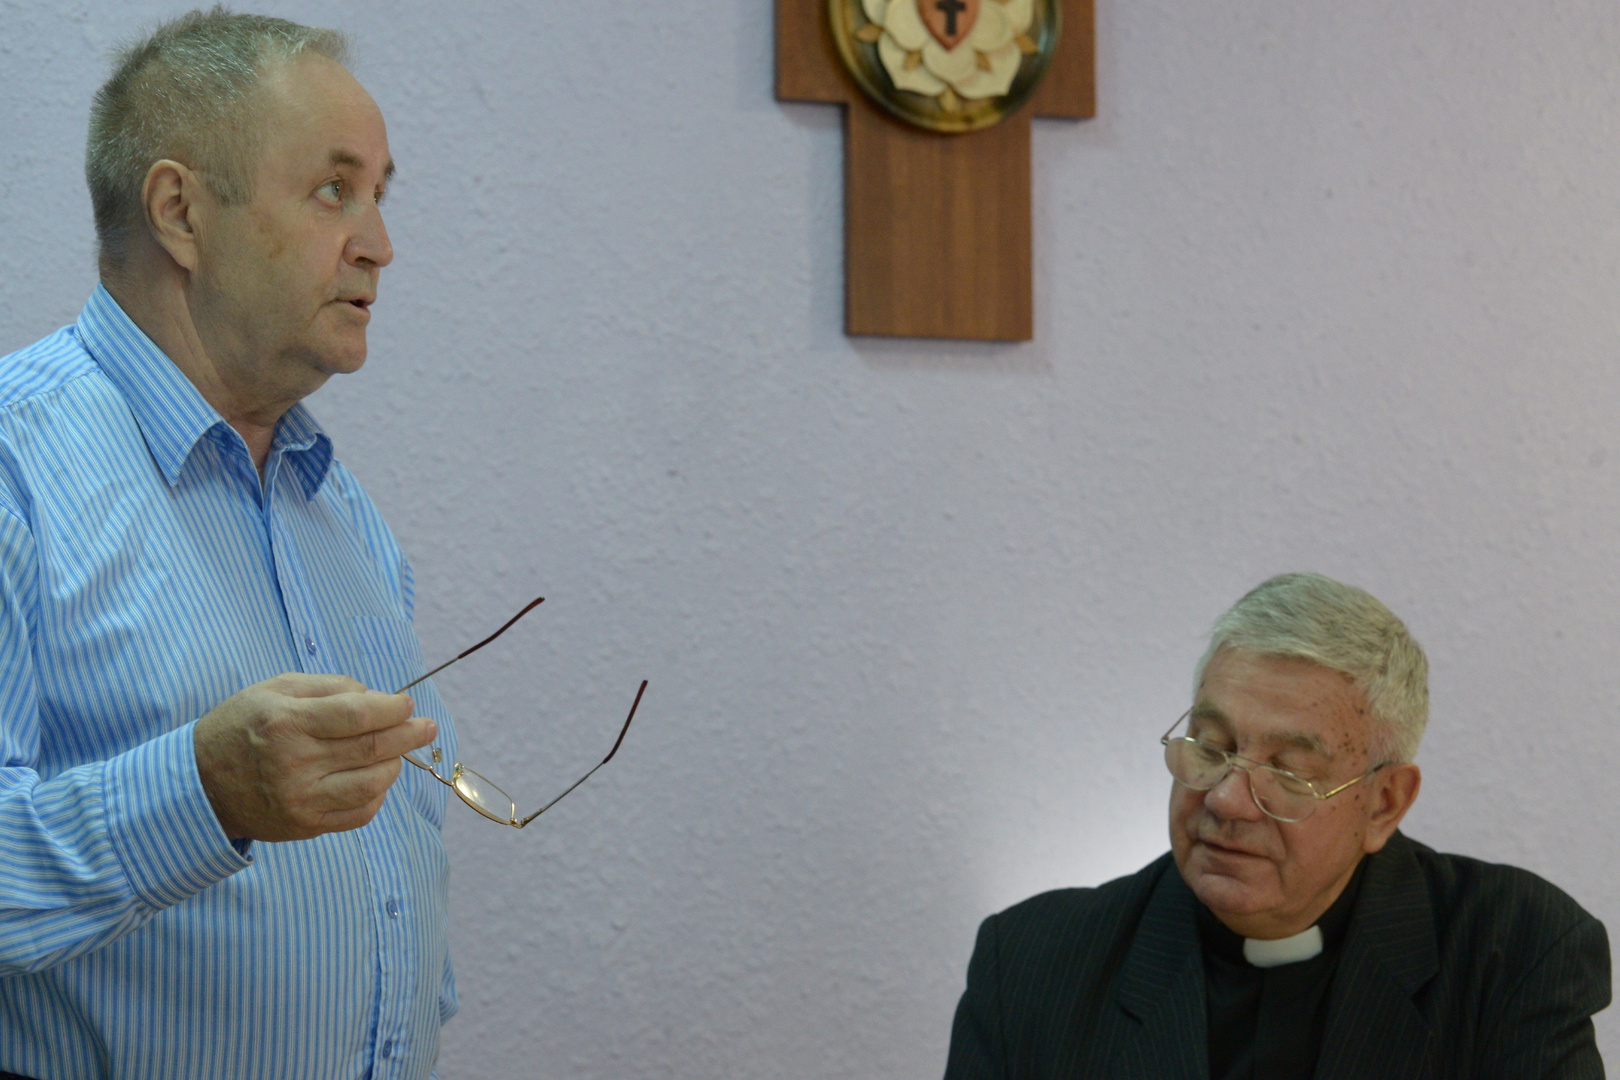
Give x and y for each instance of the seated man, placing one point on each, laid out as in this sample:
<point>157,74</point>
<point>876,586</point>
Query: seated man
<point>1291,931</point>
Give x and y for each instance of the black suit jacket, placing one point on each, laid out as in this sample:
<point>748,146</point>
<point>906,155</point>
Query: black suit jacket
<point>1451,967</point>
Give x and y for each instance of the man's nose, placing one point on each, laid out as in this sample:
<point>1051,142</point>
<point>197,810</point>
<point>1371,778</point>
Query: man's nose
<point>370,245</point>
<point>1233,797</point>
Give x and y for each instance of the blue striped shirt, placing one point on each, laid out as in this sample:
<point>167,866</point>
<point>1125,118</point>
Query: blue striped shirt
<point>146,575</point>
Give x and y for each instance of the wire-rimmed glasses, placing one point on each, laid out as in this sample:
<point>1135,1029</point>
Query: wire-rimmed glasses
<point>1279,794</point>
<point>478,791</point>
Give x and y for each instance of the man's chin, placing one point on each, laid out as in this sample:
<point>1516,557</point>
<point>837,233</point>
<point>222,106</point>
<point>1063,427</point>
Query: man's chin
<point>344,358</point>
<point>340,345</point>
<point>350,364</point>
<point>1231,887</point>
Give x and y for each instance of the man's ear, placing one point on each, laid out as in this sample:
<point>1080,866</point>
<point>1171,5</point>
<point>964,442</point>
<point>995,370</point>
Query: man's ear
<point>170,197</point>
<point>1395,789</point>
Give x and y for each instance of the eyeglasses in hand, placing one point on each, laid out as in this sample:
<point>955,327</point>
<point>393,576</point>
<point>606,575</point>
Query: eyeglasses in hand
<point>477,791</point>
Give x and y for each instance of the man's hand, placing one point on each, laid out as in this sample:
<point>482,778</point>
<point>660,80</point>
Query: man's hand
<point>300,755</point>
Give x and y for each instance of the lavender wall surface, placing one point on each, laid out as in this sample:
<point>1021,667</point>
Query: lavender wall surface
<point>1324,286</point>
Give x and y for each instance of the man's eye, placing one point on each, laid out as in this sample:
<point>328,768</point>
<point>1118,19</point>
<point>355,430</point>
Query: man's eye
<point>332,190</point>
<point>1303,771</point>
<point>1291,781</point>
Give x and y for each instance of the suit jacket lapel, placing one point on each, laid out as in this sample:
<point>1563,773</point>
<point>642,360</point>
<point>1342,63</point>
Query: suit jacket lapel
<point>1390,952</point>
<point>1162,1032</point>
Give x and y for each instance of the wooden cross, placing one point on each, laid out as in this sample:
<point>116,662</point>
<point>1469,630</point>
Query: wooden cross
<point>936,227</point>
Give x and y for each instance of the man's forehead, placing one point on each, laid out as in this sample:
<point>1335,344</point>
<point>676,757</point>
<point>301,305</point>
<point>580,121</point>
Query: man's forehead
<point>324,117</point>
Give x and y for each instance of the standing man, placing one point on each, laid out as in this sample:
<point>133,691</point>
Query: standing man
<point>1291,932</point>
<point>209,863</point>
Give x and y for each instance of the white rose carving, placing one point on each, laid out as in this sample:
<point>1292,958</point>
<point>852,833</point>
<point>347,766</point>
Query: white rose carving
<point>982,65</point>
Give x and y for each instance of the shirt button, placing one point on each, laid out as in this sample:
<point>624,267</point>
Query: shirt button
<point>309,643</point>
<point>392,907</point>
<point>388,1048</point>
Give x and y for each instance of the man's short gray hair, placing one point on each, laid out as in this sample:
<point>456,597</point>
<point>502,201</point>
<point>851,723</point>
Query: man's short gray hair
<point>187,92</point>
<point>1311,617</point>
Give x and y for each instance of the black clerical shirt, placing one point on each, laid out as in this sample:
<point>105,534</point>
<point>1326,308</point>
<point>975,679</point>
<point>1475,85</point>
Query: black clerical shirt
<point>1268,1023</point>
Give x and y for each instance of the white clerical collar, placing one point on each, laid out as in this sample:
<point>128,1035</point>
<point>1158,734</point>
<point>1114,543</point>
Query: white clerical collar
<point>1289,950</point>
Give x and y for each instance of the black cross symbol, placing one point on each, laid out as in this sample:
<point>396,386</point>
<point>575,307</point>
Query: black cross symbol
<point>951,8</point>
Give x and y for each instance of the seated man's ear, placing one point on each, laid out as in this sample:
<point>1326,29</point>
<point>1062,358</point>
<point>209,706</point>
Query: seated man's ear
<point>1394,790</point>
<point>170,196</point>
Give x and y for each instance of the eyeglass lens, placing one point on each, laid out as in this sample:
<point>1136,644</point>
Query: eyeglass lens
<point>1200,767</point>
<point>482,795</point>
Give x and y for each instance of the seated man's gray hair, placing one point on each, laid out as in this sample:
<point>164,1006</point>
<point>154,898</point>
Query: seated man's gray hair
<point>1311,617</point>
<point>187,93</point>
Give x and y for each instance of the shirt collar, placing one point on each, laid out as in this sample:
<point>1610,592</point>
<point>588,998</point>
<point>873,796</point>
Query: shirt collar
<point>306,447</point>
<point>171,412</point>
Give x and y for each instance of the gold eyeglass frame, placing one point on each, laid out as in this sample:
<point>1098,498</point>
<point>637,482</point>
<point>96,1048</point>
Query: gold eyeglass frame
<point>458,780</point>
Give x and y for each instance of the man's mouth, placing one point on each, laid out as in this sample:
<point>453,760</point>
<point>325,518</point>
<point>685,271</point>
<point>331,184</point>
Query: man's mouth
<point>1228,849</point>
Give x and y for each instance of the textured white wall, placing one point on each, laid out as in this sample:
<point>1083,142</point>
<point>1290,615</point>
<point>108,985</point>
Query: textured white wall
<point>1326,286</point>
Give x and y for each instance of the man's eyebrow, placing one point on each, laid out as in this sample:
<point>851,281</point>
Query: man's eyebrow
<point>355,161</point>
<point>1300,741</point>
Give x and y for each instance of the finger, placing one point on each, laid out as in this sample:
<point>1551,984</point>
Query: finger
<point>370,747</point>
<point>300,685</point>
<point>352,789</point>
<point>342,716</point>
<point>418,732</point>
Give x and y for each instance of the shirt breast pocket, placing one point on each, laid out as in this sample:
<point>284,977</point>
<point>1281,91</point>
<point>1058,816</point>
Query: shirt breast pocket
<point>390,655</point>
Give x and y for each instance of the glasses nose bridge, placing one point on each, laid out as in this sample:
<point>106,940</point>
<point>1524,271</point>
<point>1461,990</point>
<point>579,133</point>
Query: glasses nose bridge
<point>435,760</point>
<point>1236,762</point>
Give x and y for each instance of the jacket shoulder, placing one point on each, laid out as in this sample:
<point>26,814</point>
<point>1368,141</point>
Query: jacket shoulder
<point>1494,904</point>
<point>1099,902</point>
<point>1076,929</point>
<point>1466,891</point>
<point>1518,967</point>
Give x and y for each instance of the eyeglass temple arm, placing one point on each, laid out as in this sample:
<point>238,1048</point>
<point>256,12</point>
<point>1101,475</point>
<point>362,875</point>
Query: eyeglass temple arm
<point>530,606</point>
<point>598,765</point>
<point>1357,780</point>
